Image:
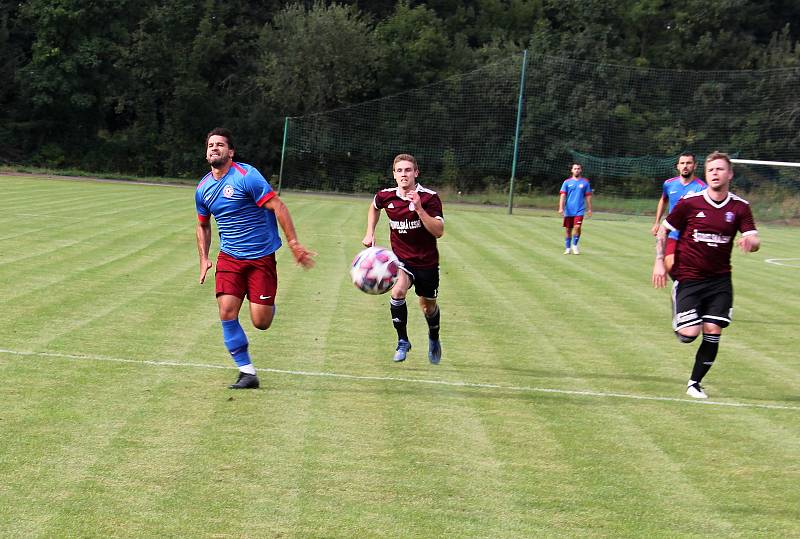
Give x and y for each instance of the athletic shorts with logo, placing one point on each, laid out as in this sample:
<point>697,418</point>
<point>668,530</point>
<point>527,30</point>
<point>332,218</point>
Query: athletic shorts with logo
<point>424,280</point>
<point>709,300</point>
<point>572,221</point>
<point>255,279</point>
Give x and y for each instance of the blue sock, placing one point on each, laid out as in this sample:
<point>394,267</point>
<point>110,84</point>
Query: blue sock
<point>566,242</point>
<point>575,240</point>
<point>236,342</point>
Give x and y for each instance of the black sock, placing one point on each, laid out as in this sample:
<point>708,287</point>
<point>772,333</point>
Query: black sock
<point>706,354</point>
<point>433,325</point>
<point>399,317</point>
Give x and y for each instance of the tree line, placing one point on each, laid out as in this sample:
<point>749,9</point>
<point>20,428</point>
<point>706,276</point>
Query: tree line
<point>133,87</point>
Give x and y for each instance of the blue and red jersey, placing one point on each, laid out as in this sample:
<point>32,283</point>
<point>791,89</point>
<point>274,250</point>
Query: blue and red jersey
<point>674,190</point>
<point>576,190</point>
<point>246,230</point>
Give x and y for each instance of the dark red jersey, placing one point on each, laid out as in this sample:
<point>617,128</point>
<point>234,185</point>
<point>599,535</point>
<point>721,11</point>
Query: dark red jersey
<point>707,229</point>
<point>411,241</point>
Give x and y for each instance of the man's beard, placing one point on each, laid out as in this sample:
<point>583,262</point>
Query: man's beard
<point>686,175</point>
<point>218,161</point>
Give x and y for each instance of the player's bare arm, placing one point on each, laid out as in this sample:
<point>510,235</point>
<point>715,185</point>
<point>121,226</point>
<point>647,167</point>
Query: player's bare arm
<point>432,224</point>
<point>373,214</point>
<point>561,198</point>
<point>749,243</point>
<point>589,204</point>
<point>662,202</point>
<point>203,233</point>
<point>302,256</point>
<point>659,269</point>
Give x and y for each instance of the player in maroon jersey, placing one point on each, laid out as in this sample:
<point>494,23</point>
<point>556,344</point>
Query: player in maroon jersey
<point>415,222</point>
<point>702,292</point>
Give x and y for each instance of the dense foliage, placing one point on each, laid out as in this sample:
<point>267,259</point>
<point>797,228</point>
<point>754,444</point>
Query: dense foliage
<point>132,87</point>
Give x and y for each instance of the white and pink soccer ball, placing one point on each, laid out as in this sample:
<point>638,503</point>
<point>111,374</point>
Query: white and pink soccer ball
<point>374,270</point>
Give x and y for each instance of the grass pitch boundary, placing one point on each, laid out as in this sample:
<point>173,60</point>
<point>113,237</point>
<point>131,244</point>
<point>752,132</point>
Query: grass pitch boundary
<point>405,380</point>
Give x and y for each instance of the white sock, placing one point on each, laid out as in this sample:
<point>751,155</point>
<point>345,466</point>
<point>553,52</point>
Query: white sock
<point>691,383</point>
<point>248,369</point>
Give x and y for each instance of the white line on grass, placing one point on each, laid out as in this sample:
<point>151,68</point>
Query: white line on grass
<point>783,262</point>
<point>476,385</point>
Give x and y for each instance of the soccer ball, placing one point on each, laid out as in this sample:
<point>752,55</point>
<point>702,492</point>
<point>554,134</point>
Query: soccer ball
<point>374,270</point>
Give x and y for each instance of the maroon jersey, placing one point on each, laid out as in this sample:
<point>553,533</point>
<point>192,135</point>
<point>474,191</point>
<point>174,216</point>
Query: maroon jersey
<point>411,241</point>
<point>707,229</point>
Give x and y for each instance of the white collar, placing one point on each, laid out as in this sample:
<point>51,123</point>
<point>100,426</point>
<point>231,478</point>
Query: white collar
<point>714,202</point>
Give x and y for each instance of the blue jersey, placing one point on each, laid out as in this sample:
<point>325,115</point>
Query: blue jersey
<point>246,230</point>
<point>674,190</point>
<point>576,190</point>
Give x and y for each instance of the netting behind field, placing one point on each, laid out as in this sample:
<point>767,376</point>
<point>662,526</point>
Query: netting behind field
<point>461,131</point>
<point>626,125</point>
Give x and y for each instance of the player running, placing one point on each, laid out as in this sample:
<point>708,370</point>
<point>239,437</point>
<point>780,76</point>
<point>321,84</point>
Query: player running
<point>415,222</point>
<point>702,291</point>
<point>575,199</point>
<point>672,191</point>
<point>247,211</point>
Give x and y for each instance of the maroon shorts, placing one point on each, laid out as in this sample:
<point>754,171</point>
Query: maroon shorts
<point>255,279</point>
<point>572,222</point>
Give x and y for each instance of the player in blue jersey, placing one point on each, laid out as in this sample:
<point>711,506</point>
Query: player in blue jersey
<point>575,200</point>
<point>247,212</point>
<point>672,191</point>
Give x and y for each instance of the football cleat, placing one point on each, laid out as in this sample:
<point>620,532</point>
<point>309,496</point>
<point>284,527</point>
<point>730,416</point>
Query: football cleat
<point>245,381</point>
<point>696,390</point>
<point>575,250</point>
<point>403,347</point>
<point>566,251</point>
<point>434,351</point>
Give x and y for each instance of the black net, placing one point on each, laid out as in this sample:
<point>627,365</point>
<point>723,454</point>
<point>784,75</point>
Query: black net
<point>626,125</point>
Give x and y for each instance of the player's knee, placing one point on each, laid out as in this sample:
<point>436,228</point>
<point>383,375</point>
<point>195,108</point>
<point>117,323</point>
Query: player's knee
<point>262,324</point>
<point>686,339</point>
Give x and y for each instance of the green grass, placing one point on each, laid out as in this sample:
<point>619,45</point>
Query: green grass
<point>558,409</point>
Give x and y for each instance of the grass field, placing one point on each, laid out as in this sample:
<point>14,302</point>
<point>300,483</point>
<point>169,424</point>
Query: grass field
<point>558,408</point>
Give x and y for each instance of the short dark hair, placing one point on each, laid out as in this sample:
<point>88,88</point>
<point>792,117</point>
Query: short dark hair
<point>221,132</point>
<point>688,154</point>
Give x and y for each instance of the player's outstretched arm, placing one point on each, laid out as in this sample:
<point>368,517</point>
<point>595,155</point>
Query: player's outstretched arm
<point>203,233</point>
<point>373,214</point>
<point>302,256</point>
<point>659,213</point>
<point>659,269</point>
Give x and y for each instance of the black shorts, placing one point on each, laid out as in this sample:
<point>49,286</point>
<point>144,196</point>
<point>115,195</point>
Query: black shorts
<point>695,302</point>
<point>424,280</point>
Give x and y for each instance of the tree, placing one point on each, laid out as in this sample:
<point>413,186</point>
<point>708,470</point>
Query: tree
<point>416,49</point>
<point>317,59</point>
<point>71,79</point>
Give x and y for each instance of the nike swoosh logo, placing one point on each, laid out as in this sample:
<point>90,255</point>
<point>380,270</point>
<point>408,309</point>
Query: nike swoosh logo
<point>264,297</point>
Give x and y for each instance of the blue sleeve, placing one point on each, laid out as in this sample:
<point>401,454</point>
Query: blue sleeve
<point>676,220</point>
<point>588,187</point>
<point>563,187</point>
<point>200,204</point>
<point>256,185</point>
